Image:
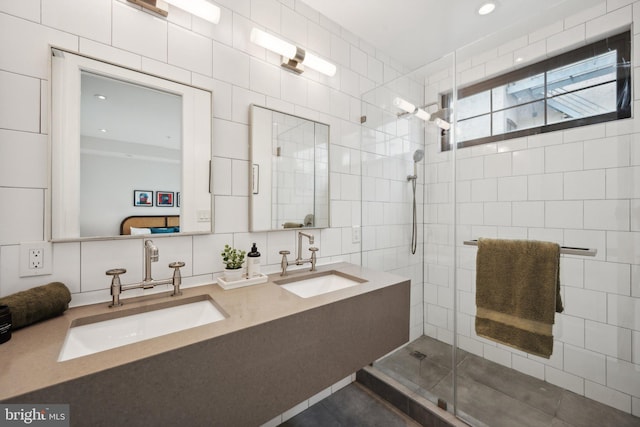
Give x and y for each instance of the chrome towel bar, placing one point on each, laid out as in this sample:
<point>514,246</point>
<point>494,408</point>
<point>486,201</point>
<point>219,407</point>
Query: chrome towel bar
<point>566,250</point>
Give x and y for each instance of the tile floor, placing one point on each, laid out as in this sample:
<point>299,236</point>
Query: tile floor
<point>351,406</point>
<point>493,395</point>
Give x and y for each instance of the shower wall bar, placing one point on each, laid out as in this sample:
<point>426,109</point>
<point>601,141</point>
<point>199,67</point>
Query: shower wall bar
<point>566,250</point>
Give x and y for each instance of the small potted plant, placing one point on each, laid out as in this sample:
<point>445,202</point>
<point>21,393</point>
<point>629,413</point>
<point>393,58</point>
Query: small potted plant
<point>233,259</point>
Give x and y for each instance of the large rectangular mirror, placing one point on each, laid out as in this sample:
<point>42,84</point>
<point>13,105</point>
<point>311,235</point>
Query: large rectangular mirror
<point>289,173</point>
<point>130,152</point>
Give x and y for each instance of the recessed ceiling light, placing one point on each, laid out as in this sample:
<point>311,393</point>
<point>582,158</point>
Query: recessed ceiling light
<point>486,8</point>
<point>101,97</point>
<point>103,130</point>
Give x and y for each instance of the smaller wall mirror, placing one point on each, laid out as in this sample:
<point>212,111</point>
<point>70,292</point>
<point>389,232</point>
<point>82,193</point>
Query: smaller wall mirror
<point>289,173</point>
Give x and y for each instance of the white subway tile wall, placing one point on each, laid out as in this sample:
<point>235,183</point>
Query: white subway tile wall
<point>187,49</point>
<point>577,187</point>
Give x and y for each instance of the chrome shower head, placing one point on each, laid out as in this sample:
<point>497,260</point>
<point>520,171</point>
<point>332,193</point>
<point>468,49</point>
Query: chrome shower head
<point>418,155</point>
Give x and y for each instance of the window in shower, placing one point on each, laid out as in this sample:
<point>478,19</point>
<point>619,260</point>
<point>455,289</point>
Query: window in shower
<point>588,85</point>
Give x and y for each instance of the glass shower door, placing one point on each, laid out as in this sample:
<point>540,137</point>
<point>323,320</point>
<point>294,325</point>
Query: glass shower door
<point>401,147</point>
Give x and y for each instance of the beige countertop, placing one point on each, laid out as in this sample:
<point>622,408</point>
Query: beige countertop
<point>30,358</point>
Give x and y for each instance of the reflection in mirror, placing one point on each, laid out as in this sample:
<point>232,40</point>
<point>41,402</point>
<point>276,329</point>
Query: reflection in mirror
<point>290,171</point>
<point>136,129</point>
<point>126,144</point>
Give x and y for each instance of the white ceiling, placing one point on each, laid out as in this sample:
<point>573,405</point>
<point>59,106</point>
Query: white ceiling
<point>416,32</point>
<point>131,114</point>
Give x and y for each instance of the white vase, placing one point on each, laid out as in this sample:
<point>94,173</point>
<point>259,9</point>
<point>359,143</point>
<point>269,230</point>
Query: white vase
<point>232,275</point>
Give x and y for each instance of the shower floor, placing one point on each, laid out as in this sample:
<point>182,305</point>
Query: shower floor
<point>492,395</point>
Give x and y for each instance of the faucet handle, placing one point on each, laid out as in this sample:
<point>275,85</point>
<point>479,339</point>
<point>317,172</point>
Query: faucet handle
<point>116,287</point>
<point>313,250</point>
<point>284,263</point>
<point>176,280</point>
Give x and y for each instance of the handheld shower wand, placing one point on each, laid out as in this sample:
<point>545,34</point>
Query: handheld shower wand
<point>417,156</point>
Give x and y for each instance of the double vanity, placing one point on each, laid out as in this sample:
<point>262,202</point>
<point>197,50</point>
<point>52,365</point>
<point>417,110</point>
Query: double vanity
<point>209,357</point>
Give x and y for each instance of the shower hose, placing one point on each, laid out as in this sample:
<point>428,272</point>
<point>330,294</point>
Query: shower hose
<point>414,233</point>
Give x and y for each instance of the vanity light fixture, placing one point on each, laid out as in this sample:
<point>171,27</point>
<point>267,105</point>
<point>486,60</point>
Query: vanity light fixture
<point>408,107</point>
<point>200,8</point>
<point>442,124</point>
<point>157,6</point>
<point>404,105</point>
<point>293,57</point>
<point>486,8</point>
<point>420,112</point>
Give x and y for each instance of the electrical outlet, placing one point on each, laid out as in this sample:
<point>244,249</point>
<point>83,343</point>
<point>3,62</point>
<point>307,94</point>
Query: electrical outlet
<point>204,216</point>
<point>355,235</point>
<point>36,258</point>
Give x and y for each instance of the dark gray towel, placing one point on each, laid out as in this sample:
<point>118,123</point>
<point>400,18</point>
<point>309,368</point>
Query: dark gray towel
<point>36,304</point>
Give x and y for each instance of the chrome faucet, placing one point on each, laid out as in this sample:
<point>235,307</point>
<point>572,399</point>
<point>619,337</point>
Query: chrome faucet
<point>299,260</point>
<point>150,255</point>
<point>310,237</point>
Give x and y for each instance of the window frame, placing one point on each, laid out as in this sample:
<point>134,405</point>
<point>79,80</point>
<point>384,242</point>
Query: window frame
<point>620,42</point>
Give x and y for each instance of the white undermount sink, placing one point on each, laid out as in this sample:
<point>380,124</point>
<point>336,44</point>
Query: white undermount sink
<point>103,332</point>
<point>319,283</point>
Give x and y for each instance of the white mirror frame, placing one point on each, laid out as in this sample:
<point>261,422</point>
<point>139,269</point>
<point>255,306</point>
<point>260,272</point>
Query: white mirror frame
<point>196,199</point>
<point>260,183</point>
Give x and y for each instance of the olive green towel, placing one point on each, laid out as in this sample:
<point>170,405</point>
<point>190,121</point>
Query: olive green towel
<point>518,293</point>
<point>36,304</point>
<point>292,225</point>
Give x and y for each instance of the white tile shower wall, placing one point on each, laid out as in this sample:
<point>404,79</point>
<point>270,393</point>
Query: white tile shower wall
<point>577,187</point>
<point>388,144</point>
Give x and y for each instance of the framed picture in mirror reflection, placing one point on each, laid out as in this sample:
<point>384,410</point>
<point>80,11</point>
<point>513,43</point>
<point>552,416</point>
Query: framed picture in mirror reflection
<point>164,198</point>
<point>142,198</point>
